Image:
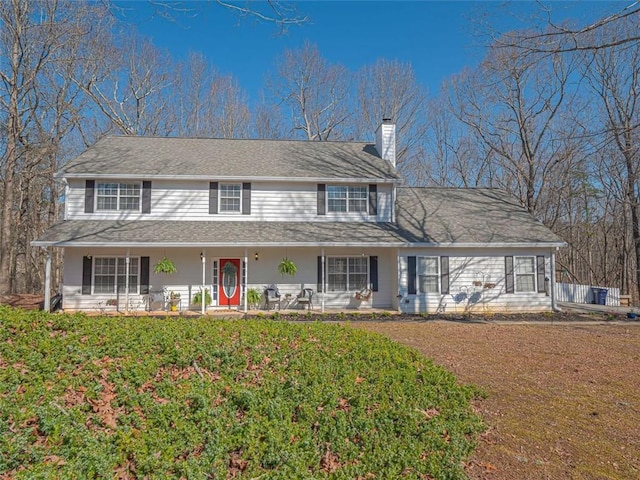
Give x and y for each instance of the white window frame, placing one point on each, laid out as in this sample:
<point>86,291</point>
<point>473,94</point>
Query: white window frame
<point>517,275</point>
<point>119,196</point>
<point>349,284</point>
<point>221,188</point>
<point>349,198</point>
<point>420,273</point>
<point>134,264</point>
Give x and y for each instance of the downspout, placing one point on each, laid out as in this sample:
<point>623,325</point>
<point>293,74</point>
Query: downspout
<point>47,281</point>
<point>323,283</point>
<point>393,203</point>
<point>554,303</point>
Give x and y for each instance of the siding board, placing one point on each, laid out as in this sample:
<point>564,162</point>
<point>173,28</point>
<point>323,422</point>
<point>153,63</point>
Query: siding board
<point>194,200</point>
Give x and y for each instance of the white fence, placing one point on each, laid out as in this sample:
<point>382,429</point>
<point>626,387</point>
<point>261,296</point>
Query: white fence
<point>573,293</point>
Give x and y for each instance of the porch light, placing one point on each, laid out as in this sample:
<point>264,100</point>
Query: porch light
<point>256,256</point>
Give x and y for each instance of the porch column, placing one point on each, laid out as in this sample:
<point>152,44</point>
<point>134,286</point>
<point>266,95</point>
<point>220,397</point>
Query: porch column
<point>323,286</point>
<point>127,265</point>
<point>47,281</point>
<point>203,257</point>
<point>246,280</point>
<point>552,281</point>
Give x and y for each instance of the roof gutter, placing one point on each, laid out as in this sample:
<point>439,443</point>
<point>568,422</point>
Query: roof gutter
<point>395,244</point>
<point>232,178</point>
<point>485,245</point>
<point>71,243</point>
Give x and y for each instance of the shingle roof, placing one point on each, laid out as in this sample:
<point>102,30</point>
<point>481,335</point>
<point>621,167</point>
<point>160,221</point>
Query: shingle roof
<point>467,216</point>
<point>215,158</point>
<point>188,233</point>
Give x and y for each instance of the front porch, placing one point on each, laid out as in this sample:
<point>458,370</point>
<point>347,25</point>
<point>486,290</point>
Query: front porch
<point>230,279</point>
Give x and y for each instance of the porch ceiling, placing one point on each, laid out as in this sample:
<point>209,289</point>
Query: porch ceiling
<point>82,233</point>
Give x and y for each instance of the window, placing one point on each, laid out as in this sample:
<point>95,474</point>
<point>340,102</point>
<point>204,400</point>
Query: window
<point>525,272</point>
<point>428,275</point>
<point>347,274</point>
<point>230,198</point>
<point>111,272</point>
<point>347,199</point>
<point>118,196</point>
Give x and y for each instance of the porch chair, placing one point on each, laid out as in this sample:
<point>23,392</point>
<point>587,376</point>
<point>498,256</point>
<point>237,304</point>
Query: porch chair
<point>271,297</point>
<point>305,296</point>
<point>157,299</point>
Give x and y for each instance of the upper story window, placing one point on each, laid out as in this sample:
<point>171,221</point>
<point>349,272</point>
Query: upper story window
<point>525,273</point>
<point>230,198</point>
<point>343,198</point>
<point>118,196</point>
<point>428,274</point>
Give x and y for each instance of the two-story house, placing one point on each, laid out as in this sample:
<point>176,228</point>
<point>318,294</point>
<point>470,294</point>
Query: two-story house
<point>226,212</point>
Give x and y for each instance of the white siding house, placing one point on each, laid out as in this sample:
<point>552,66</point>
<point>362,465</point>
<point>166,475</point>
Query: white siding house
<point>226,212</point>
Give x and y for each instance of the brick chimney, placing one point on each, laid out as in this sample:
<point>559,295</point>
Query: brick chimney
<point>386,141</point>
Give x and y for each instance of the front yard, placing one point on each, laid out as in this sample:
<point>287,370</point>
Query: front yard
<point>563,400</point>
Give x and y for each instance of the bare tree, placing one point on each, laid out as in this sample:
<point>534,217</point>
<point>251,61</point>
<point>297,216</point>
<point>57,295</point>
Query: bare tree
<point>26,42</point>
<point>282,14</point>
<point>314,91</point>
<point>453,155</point>
<point>129,84</point>
<point>390,89</point>
<point>614,75</point>
<point>555,37</point>
<point>518,110</point>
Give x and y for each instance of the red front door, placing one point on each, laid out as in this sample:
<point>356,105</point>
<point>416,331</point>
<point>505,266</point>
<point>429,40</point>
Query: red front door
<point>229,282</point>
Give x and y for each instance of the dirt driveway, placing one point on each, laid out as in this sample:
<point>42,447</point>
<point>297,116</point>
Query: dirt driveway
<point>563,399</point>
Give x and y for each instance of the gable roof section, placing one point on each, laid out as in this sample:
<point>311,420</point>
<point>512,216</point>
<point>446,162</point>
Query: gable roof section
<point>468,216</point>
<point>202,158</point>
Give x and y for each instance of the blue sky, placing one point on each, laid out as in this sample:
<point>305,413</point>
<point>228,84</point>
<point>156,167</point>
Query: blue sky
<point>438,38</point>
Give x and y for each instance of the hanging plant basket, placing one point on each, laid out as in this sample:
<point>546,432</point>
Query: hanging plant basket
<point>165,266</point>
<point>287,267</point>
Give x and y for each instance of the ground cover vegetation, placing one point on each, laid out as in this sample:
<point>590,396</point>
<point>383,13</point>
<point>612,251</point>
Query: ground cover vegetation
<point>550,115</point>
<point>89,397</point>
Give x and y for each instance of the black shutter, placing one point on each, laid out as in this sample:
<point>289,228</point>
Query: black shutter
<point>146,197</point>
<point>86,275</point>
<point>144,275</point>
<point>541,274</point>
<point>213,198</point>
<point>508,271</point>
<point>89,188</point>
<point>373,199</point>
<point>373,273</point>
<point>319,287</point>
<point>444,275</point>
<point>322,198</point>
<point>411,275</point>
<point>246,199</point>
